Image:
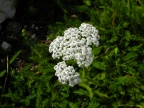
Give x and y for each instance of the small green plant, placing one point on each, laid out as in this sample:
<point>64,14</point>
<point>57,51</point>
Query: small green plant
<point>6,74</point>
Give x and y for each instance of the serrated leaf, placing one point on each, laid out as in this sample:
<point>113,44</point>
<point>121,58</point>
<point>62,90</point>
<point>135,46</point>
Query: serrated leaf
<point>99,65</point>
<point>28,99</point>
<point>38,98</point>
<point>13,96</point>
<point>89,90</point>
<point>45,102</point>
<point>130,55</point>
<point>135,48</point>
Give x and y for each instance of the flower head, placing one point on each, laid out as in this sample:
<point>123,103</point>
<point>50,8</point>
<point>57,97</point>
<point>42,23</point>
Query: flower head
<point>74,45</point>
<point>66,74</point>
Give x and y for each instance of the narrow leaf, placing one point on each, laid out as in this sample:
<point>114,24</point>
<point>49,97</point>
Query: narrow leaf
<point>15,56</point>
<point>89,90</point>
<point>2,73</point>
<point>80,92</point>
<point>72,105</point>
<point>130,55</point>
<point>100,94</point>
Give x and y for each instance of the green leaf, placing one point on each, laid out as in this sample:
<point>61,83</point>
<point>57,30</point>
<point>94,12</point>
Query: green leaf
<point>39,98</point>
<point>99,65</point>
<point>80,92</point>
<point>87,2</point>
<point>64,94</point>
<point>116,50</point>
<point>125,24</point>
<point>114,39</point>
<point>100,94</point>
<point>130,55</point>
<point>46,102</point>
<point>15,56</point>
<point>93,104</point>
<point>103,75</point>
<point>97,50</point>
<point>127,35</point>
<point>72,105</point>
<point>135,48</point>
<point>141,105</point>
<point>2,73</point>
<point>89,90</point>
<point>121,80</point>
<point>54,95</point>
<point>27,100</point>
<point>12,95</point>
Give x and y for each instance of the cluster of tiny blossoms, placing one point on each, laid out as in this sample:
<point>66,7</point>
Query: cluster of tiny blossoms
<point>76,45</point>
<point>66,74</point>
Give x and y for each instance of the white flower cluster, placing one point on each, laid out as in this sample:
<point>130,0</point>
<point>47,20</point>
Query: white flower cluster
<point>66,74</point>
<point>74,45</point>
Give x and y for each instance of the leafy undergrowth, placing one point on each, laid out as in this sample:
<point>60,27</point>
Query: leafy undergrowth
<point>114,80</point>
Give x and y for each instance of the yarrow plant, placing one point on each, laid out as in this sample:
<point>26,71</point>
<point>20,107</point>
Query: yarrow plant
<point>74,45</point>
